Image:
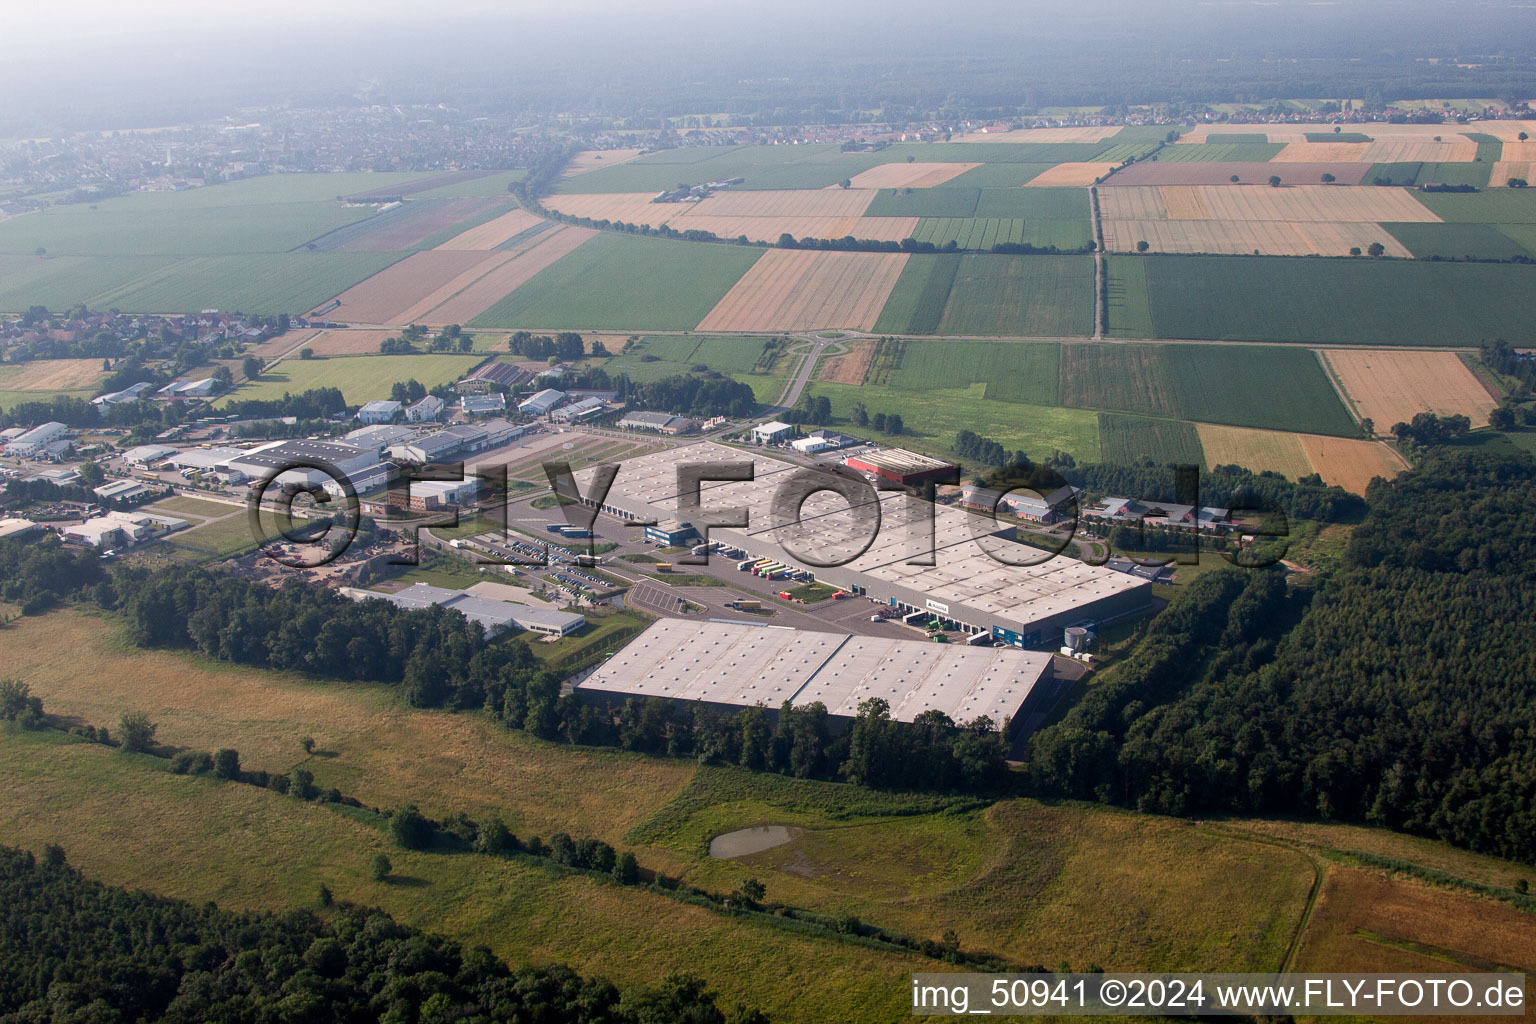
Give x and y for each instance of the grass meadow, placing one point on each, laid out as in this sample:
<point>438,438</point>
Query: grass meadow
<point>360,378</point>
<point>1066,883</point>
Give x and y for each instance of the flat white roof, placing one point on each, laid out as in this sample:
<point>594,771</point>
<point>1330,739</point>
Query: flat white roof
<point>964,574</point>
<point>746,665</point>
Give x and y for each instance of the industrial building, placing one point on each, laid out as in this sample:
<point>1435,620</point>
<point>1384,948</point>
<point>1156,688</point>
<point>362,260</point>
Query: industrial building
<point>426,410</point>
<point>495,616</point>
<point>661,422</point>
<point>379,436</point>
<point>585,409</point>
<point>361,466</point>
<point>455,442</point>
<point>121,529</point>
<point>17,528</point>
<point>382,410</point>
<point>899,466</point>
<point>121,490</point>
<point>541,403</point>
<point>483,405</point>
<point>737,665</point>
<point>28,443</point>
<point>772,433</point>
<point>970,575</point>
<point>146,455</point>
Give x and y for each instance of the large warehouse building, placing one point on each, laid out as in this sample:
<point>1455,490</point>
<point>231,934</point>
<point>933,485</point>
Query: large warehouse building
<point>731,666</point>
<point>962,570</point>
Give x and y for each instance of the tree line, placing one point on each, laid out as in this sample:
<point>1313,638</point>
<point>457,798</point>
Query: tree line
<point>1396,695</point>
<point>72,949</point>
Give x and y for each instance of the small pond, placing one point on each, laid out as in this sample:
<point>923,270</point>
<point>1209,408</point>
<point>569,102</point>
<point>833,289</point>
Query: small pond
<point>746,841</point>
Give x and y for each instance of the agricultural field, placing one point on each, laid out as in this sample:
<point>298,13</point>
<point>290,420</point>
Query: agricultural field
<point>1009,175</point>
<point>934,416</point>
<point>909,175</point>
<point>360,378</point>
<point>763,167</point>
<point>51,375</point>
<point>60,282</point>
<point>1414,173</point>
<point>1249,385</point>
<point>495,232</point>
<point>1125,296</point>
<point>770,229</point>
<point>264,283</point>
<point>1347,462</point>
<point>1084,133</point>
<point>1496,206</point>
<point>1133,440</point>
<point>673,355</point>
<point>1202,172</point>
<point>795,290</point>
<point>592,159</point>
<point>496,183</point>
<point>1251,238</point>
<point>1359,302</point>
<point>624,282</point>
<point>1070,174</point>
<point>1220,152</point>
<point>408,226</point>
<point>1011,371</point>
<point>466,297</point>
<point>212,540</point>
<point>349,342</point>
<point>382,298</point>
<point>1389,386</point>
<point>1029,296</point>
<point>1461,241</point>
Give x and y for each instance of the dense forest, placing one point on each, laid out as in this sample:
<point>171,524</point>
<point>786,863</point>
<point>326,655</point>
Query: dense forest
<point>75,950</point>
<point>1399,695</point>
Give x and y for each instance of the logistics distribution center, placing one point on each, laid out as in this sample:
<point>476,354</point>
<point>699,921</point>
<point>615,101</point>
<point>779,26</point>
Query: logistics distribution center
<point>968,577</point>
<point>731,665</point>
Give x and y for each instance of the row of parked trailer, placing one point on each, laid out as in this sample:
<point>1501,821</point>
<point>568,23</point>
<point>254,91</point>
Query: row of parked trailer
<point>768,569</point>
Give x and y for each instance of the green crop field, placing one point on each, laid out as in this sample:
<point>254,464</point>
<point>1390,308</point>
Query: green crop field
<point>1496,206</point>
<point>60,282</point>
<point>1125,294</point>
<point>288,282</point>
<point>1430,173</point>
<point>674,355</point>
<point>924,202</point>
<point>916,303</point>
<point>934,416</point>
<point>360,378</point>
<point>1289,299</point>
<point>1457,241</point>
<point>1328,137</point>
<point>984,233</point>
<point>625,282</point>
<point>1032,296</point>
<point>269,214</point>
<point>1274,388</point>
<point>1012,371</point>
<point>1015,152</point>
<point>1240,152</point>
<point>1034,203</point>
<point>1009,175</point>
<point>1132,440</point>
<point>1236,138</point>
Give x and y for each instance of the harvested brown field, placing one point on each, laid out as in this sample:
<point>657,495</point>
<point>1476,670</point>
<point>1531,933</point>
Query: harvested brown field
<point>791,290</point>
<point>1349,462</point>
<point>1257,450</point>
<point>1451,148</point>
<point>1325,204</point>
<point>383,297</point>
<point>913,175</point>
<point>274,347</point>
<point>768,229</point>
<point>409,227</point>
<point>628,207</point>
<point>1519,161</point>
<point>1069,175</point>
<point>801,202</point>
<point>52,375</point>
<point>349,343</point>
<point>493,232</point>
<point>850,368</point>
<point>1391,385</point>
<point>592,159</point>
<point>1210,172</point>
<point>547,248</point>
<point>420,310</point>
<point>1088,133</point>
<point>1365,921</point>
<point>1234,237</point>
